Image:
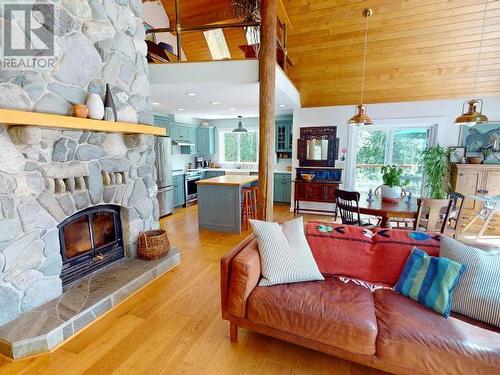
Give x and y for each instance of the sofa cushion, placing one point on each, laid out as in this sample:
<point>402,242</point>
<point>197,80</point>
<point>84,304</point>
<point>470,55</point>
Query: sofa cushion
<point>329,312</point>
<point>478,293</point>
<point>379,254</point>
<point>444,346</point>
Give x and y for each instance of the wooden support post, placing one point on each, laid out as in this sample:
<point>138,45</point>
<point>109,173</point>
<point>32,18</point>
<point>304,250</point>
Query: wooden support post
<point>267,80</point>
<point>233,332</point>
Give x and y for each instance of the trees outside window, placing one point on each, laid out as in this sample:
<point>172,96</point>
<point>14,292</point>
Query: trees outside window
<point>239,147</point>
<point>378,147</point>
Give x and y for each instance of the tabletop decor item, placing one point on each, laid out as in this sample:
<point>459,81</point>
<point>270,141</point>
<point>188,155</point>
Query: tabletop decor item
<point>109,103</point>
<point>392,187</point>
<point>307,176</point>
<point>80,110</point>
<point>457,154</point>
<point>409,197</point>
<point>474,159</point>
<point>435,162</point>
<point>96,106</point>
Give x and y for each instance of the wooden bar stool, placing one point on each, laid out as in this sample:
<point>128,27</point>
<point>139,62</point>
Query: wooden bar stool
<point>249,206</point>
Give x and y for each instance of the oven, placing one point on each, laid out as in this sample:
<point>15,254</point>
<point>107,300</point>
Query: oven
<point>191,187</point>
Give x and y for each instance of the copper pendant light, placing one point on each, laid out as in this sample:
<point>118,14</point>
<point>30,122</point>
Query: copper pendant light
<point>361,118</point>
<point>473,115</point>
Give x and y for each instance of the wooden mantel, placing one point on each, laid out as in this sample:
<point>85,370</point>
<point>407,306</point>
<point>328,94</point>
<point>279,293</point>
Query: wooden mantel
<point>23,118</point>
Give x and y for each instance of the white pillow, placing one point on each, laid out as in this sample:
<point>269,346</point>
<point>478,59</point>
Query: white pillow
<point>285,255</point>
<point>477,294</point>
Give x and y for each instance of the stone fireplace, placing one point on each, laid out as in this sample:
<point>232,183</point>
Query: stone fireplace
<point>54,183</point>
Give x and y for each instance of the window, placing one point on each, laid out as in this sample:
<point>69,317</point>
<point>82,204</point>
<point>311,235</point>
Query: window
<point>238,147</point>
<point>400,146</point>
<point>217,44</point>
<point>252,35</point>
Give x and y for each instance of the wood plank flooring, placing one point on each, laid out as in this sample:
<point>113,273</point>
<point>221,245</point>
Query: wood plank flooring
<point>174,326</point>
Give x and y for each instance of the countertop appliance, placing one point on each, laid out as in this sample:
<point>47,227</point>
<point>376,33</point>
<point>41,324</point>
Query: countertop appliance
<point>163,149</point>
<point>191,188</point>
<point>199,162</point>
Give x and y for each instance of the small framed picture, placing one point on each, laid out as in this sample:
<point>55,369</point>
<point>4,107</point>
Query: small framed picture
<point>457,154</point>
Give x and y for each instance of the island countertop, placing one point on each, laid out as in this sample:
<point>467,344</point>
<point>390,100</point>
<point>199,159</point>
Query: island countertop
<point>229,180</point>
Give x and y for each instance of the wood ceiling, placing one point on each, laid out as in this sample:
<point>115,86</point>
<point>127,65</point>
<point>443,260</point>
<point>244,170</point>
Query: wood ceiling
<point>417,49</point>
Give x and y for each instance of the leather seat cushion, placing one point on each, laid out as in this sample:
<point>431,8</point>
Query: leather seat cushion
<point>329,312</point>
<point>425,341</point>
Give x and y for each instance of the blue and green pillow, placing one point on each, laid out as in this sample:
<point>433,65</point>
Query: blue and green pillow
<point>430,280</point>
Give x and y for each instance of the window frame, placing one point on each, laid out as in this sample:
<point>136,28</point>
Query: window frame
<point>217,51</point>
<point>222,147</point>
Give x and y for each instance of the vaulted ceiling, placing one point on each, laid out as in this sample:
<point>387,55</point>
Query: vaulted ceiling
<point>417,49</point>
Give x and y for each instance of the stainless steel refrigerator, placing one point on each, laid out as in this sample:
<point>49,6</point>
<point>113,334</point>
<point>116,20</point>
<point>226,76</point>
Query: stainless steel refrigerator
<point>163,150</point>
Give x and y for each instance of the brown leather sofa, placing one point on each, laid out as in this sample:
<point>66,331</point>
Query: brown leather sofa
<point>381,329</point>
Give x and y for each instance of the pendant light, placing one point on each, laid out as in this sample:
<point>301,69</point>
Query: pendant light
<point>240,128</point>
<point>361,118</point>
<point>473,115</point>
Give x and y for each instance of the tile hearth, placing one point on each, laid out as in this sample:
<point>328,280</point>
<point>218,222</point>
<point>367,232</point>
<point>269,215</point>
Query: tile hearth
<point>47,326</point>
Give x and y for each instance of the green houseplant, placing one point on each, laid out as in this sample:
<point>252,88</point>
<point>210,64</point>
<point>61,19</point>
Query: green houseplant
<point>436,167</point>
<point>391,189</point>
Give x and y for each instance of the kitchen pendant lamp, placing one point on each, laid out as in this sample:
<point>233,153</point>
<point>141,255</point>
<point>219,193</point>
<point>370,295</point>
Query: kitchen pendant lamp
<point>361,118</point>
<point>240,128</point>
<point>473,115</point>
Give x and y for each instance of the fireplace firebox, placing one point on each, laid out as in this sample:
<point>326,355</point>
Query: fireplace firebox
<point>90,240</point>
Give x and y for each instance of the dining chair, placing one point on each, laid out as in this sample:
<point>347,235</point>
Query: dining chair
<point>457,203</point>
<point>348,207</point>
<point>429,214</point>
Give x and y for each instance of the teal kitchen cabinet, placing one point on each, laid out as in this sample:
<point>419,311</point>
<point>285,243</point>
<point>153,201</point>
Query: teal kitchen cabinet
<point>206,140</point>
<point>184,133</point>
<point>282,187</point>
<point>211,174</point>
<point>179,194</point>
<point>163,122</point>
<point>284,135</point>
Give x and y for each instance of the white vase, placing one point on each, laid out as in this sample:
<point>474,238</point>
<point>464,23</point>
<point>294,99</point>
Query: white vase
<point>390,194</point>
<point>96,106</point>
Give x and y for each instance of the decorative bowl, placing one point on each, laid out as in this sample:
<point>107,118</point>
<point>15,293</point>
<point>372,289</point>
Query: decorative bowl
<point>474,159</point>
<point>307,176</point>
<point>80,110</point>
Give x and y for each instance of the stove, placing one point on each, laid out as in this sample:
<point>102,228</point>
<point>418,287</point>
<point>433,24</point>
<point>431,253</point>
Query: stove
<point>191,188</point>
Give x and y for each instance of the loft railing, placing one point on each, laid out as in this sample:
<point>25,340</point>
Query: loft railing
<point>282,53</point>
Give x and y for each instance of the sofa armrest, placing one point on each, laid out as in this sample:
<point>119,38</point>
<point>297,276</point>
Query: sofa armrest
<point>240,274</point>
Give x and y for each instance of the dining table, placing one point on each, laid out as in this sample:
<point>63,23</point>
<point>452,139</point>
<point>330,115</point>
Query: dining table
<point>387,210</point>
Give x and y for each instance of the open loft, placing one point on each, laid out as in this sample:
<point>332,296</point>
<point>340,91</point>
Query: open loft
<point>250,186</point>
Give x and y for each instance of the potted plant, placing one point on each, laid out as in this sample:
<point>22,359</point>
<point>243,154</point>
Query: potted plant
<point>436,167</point>
<point>392,187</point>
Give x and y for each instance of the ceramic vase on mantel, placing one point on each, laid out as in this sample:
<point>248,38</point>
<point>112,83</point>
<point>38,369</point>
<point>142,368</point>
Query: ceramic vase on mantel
<point>109,106</point>
<point>96,106</point>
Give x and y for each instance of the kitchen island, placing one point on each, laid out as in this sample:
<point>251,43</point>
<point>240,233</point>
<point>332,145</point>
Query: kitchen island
<point>219,202</point>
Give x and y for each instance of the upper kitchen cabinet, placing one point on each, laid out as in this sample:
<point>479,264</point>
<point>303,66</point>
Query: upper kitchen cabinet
<point>185,136</point>
<point>284,137</point>
<point>206,140</point>
<point>163,122</point>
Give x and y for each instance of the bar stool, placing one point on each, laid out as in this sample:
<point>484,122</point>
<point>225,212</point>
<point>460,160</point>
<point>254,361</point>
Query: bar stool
<point>249,205</point>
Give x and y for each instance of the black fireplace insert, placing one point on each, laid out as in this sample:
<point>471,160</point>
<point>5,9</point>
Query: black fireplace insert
<point>90,240</point>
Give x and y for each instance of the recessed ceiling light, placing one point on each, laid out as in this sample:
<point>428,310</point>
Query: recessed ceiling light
<point>232,109</point>
<point>191,94</point>
<point>156,103</point>
<point>180,109</point>
<point>199,114</point>
<point>215,103</point>
<point>282,105</point>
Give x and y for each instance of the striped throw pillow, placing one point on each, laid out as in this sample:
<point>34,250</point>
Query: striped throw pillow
<point>429,280</point>
<point>285,255</point>
<point>478,293</point>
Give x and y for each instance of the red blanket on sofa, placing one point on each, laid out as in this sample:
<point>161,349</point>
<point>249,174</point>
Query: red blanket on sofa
<point>374,255</point>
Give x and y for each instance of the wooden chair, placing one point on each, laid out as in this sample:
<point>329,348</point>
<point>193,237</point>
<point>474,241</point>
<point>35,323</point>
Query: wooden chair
<point>348,207</point>
<point>457,202</point>
<point>430,214</point>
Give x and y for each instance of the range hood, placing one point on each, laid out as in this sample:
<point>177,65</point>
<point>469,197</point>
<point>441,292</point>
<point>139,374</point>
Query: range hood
<point>182,143</point>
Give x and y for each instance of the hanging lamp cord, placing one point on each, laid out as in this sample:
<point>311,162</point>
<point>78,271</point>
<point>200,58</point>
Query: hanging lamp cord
<point>478,60</point>
<point>364,59</point>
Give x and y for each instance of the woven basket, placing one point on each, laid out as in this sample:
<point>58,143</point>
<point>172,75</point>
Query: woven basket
<point>153,244</point>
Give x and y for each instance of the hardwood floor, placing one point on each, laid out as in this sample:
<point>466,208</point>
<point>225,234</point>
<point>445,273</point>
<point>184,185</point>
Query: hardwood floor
<point>174,326</point>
